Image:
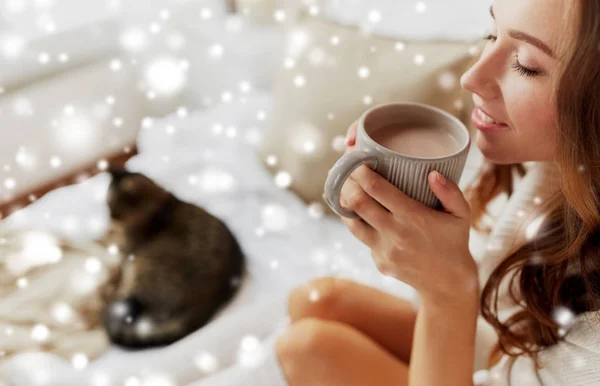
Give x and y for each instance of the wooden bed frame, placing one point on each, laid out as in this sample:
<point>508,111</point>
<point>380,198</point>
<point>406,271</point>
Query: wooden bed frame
<point>21,201</point>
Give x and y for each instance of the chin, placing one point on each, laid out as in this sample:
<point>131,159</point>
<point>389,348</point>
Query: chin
<point>493,153</point>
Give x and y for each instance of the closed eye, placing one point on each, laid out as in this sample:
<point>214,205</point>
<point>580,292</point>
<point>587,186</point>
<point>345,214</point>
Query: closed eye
<point>520,69</point>
<point>524,71</point>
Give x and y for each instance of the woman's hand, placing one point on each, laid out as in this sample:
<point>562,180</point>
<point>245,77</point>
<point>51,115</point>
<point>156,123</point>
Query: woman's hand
<point>422,247</point>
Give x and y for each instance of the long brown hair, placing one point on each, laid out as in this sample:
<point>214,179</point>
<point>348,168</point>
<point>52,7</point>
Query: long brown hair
<point>560,267</point>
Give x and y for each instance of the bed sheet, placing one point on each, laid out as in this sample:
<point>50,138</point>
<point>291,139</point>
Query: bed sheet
<point>208,158</point>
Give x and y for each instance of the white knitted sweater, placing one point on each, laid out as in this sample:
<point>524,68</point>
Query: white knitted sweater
<point>575,361</point>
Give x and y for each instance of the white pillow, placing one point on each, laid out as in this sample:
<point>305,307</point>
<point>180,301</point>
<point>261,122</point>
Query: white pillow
<point>82,45</point>
<point>415,20</point>
<point>224,54</point>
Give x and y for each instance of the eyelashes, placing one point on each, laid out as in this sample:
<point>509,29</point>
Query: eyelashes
<point>522,71</point>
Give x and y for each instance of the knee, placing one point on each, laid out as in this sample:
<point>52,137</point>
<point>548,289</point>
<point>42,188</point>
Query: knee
<point>317,299</point>
<point>302,346</point>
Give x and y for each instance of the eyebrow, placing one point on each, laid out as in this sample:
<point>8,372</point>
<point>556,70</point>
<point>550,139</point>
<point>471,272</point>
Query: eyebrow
<point>527,38</point>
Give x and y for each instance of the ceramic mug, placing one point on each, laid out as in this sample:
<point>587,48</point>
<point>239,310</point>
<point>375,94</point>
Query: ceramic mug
<point>408,173</point>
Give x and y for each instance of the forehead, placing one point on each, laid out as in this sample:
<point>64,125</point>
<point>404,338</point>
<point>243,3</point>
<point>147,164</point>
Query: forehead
<point>551,21</point>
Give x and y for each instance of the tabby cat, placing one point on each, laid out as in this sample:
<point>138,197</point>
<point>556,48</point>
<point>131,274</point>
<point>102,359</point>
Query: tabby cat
<point>180,266</point>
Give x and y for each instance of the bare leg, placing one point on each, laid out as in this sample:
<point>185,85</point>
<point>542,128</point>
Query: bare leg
<point>315,352</point>
<point>387,320</point>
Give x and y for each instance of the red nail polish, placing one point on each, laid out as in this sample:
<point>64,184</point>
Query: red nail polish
<point>348,139</point>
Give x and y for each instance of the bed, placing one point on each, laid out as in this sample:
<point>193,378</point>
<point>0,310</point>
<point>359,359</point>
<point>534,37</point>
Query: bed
<point>286,243</point>
<point>210,158</point>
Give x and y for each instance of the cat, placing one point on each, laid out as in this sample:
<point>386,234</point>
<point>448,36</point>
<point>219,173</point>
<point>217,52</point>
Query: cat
<point>180,266</point>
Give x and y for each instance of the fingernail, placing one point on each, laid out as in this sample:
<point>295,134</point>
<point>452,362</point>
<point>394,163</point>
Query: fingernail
<point>350,137</point>
<point>441,179</point>
<point>347,140</point>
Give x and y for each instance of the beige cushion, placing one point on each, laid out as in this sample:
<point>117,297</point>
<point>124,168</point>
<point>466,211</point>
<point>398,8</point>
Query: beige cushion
<point>331,85</point>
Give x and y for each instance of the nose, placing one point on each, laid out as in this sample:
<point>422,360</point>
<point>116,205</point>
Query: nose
<point>482,78</point>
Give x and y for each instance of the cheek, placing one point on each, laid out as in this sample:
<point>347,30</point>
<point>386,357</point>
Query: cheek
<point>534,126</point>
<point>532,138</point>
<point>531,115</point>
<point>532,118</point>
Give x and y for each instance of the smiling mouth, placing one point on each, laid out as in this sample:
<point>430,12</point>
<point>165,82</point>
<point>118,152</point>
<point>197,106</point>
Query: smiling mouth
<point>486,123</point>
<point>485,117</point>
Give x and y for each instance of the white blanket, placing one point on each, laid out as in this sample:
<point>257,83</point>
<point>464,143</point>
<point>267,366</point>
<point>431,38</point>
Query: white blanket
<point>285,241</point>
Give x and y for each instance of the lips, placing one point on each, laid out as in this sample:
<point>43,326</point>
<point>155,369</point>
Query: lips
<point>485,122</point>
<point>485,116</point>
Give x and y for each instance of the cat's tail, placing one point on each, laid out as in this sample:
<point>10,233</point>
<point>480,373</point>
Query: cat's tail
<point>128,325</point>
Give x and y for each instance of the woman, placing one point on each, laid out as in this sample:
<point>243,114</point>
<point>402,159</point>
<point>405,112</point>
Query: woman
<point>536,88</point>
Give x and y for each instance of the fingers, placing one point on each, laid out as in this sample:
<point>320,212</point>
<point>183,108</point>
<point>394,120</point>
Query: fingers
<point>355,198</point>
<point>450,195</point>
<point>386,194</point>
<point>351,134</point>
<point>394,200</point>
<point>363,231</point>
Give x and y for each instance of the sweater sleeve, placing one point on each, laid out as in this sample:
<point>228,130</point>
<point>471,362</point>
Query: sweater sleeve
<point>571,362</point>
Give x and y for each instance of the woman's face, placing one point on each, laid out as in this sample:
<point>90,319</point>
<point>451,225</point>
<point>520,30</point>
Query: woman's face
<point>513,81</point>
